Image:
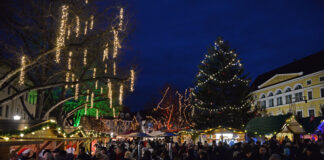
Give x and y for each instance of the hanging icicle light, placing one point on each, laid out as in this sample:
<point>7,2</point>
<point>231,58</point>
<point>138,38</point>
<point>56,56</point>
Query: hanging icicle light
<point>105,53</point>
<point>96,85</point>
<point>70,60</point>
<point>68,33</point>
<point>67,78</point>
<point>73,78</point>
<point>121,18</point>
<point>76,94</point>
<point>92,96</point>
<point>114,112</point>
<point>91,22</point>
<point>88,92</point>
<point>94,72</point>
<point>101,90</point>
<point>85,109</point>
<point>77,27</point>
<point>114,69</point>
<point>110,93</point>
<point>106,68</point>
<point>116,43</point>
<point>97,114</point>
<point>121,92</point>
<point>60,40</point>
<point>132,79</point>
<point>22,70</point>
<point>85,52</point>
<point>85,27</point>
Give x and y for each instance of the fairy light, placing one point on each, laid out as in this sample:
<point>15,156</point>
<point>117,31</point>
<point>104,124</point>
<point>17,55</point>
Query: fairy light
<point>116,43</point>
<point>68,33</point>
<point>121,92</point>
<point>106,68</point>
<point>77,27</point>
<point>121,18</point>
<point>92,96</point>
<point>114,68</point>
<point>86,1</point>
<point>73,78</point>
<point>85,109</point>
<point>70,60</point>
<point>86,27</point>
<point>114,112</point>
<point>60,41</point>
<point>85,52</point>
<point>96,85</point>
<point>88,92</point>
<point>22,70</point>
<point>91,22</point>
<point>97,114</point>
<point>67,78</point>
<point>105,53</point>
<point>132,78</point>
<point>101,90</point>
<point>94,72</point>
<point>110,93</point>
<point>76,94</point>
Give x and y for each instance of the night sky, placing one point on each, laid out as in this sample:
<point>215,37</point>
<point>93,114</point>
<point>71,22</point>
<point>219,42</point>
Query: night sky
<point>170,38</point>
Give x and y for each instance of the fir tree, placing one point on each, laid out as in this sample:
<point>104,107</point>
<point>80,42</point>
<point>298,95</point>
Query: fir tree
<point>221,95</point>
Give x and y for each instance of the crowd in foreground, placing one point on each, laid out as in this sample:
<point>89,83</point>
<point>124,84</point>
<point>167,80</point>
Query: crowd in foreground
<point>160,150</point>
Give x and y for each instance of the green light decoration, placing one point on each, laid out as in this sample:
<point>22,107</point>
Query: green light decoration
<point>32,97</point>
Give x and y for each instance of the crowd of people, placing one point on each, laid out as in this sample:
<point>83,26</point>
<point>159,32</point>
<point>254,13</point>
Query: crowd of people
<point>161,150</point>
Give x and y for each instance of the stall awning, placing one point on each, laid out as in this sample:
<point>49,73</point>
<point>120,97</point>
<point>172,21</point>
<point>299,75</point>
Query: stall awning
<point>311,124</point>
<point>274,124</point>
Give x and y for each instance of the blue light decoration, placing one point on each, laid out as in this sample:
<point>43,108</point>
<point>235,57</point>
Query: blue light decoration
<point>320,128</point>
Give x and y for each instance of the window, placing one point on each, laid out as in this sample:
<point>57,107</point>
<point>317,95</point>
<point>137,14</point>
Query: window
<point>322,92</point>
<point>309,82</point>
<point>278,92</point>
<point>310,95</point>
<point>279,101</point>
<point>287,90</point>
<point>300,114</point>
<point>271,103</point>
<point>263,104</point>
<point>298,96</point>
<point>288,99</point>
<point>270,95</point>
<point>321,79</point>
<point>311,113</point>
<point>298,87</point>
<point>263,96</point>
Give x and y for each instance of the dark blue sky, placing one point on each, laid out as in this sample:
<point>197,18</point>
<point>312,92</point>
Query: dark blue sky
<point>170,37</point>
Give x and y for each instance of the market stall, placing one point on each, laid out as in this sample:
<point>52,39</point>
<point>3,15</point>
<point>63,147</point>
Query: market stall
<point>313,126</point>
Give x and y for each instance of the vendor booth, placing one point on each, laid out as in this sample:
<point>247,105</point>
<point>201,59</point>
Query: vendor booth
<point>313,126</point>
<point>281,126</point>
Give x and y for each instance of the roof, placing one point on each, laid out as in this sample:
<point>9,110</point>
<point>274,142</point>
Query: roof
<point>266,125</point>
<point>307,65</point>
<point>309,125</point>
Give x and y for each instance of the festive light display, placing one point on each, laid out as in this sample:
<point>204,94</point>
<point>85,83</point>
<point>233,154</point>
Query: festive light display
<point>121,18</point>
<point>94,72</point>
<point>105,53</point>
<point>92,97</point>
<point>96,85</point>
<point>91,22</point>
<point>114,112</point>
<point>121,92</point>
<point>85,109</point>
<point>68,33</point>
<point>106,68</point>
<point>73,79</point>
<point>85,27</point>
<point>110,93</point>
<point>86,1</point>
<point>88,92</point>
<point>70,60</point>
<point>60,41</point>
<point>76,94</point>
<point>97,114</point>
<point>116,43</point>
<point>132,79</point>
<point>101,90</point>
<point>85,52</point>
<point>77,27</point>
<point>22,71</point>
<point>67,79</point>
<point>114,68</point>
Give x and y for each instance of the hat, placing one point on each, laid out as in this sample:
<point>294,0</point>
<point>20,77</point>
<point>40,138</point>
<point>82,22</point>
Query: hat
<point>24,151</point>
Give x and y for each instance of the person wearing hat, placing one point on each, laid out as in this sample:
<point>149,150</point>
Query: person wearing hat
<point>24,154</point>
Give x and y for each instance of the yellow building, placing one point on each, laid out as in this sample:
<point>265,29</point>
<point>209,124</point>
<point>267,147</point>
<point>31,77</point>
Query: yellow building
<point>296,88</point>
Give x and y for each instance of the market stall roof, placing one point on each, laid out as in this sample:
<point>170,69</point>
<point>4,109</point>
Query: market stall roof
<point>274,124</point>
<point>311,124</point>
<point>138,134</point>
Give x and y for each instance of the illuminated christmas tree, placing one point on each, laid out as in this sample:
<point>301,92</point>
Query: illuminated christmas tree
<point>221,95</point>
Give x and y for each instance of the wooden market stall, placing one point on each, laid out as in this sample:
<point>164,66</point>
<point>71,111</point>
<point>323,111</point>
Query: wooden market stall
<point>313,126</point>
<point>281,126</point>
<point>47,135</point>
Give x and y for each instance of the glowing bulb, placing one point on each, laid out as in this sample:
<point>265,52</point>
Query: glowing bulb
<point>85,52</point>
<point>67,78</point>
<point>22,70</point>
<point>91,22</point>
<point>121,92</point>
<point>110,93</point>
<point>60,40</point>
<point>85,27</point>
<point>70,60</point>
<point>132,78</point>
<point>92,96</point>
<point>101,90</point>
<point>121,18</point>
<point>77,27</point>
<point>76,95</point>
<point>116,43</point>
<point>87,99</point>
<point>106,68</point>
<point>6,138</point>
<point>68,33</point>
<point>96,84</point>
<point>114,67</point>
<point>86,1</point>
<point>105,54</point>
<point>21,135</point>
<point>97,114</point>
<point>114,112</point>
<point>85,109</point>
<point>94,72</point>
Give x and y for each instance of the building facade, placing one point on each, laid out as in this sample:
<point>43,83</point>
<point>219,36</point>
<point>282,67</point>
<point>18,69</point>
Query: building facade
<point>296,88</point>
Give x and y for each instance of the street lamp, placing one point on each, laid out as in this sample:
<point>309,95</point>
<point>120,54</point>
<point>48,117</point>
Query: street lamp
<point>16,117</point>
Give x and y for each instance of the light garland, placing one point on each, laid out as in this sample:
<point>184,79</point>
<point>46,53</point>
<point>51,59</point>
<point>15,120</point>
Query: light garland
<point>105,53</point>
<point>94,72</point>
<point>77,27</point>
<point>22,71</point>
<point>106,68</point>
<point>85,52</point>
<point>70,60</point>
<point>85,27</point>
<point>114,68</point>
<point>116,43</point>
<point>92,97</point>
<point>91,22</point>
<point>96,85</point>
<point>97,114</point>
<point>121,92</point>
<point>68,33</point>
<point>114,113</point>
<point>88,92</point>
<point>101,90</point>
<point>85,109</point>
<point>73,78</point>
<point>121,18</point>
<point>132,79</point>
<point>67,79</point>
<point>60,41</point>
<point>76,94</point>
<point>110,93</point>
